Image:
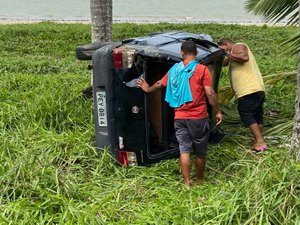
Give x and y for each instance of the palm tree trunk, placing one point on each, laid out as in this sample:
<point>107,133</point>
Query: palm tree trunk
<point>101,18</point>
<point>295,145</point>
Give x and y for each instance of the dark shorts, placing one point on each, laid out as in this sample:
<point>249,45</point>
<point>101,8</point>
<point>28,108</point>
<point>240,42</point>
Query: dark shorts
<point>192,134</point>
<point>250,108</point>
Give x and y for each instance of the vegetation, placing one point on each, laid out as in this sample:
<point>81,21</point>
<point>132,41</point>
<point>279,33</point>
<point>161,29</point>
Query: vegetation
<point>51,174</point>
<point>277,11</point>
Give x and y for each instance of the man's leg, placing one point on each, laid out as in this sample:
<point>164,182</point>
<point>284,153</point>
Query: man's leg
<point>185,165</point>
<point>261,128</point>
<point>250,108</point>
<point>256,131</point>
<point>200,166</point>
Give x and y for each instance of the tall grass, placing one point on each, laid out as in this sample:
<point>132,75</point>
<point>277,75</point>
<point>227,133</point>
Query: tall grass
<point>51,174</point>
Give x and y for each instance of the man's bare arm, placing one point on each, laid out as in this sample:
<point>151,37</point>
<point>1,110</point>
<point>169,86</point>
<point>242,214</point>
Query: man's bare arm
<point>239,53</point>
<point>213,101</point>
<point>145,86</point>
<point>225,61</point>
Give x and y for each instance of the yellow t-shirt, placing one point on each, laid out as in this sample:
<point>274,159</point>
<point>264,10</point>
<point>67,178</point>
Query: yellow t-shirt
<point>245,78</point>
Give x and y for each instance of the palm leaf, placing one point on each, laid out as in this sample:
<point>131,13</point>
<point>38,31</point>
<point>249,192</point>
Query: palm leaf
<point>226,94</point>
<point>281,128</point>
<point>275,10</point>
<point>272,79</point>
<point>292,44</point>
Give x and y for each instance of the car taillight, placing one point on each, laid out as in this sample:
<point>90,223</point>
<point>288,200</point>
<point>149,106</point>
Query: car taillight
<point>117,57</point>
<point>123,57</point>
<point>127,56</point>
<point>127,158</point>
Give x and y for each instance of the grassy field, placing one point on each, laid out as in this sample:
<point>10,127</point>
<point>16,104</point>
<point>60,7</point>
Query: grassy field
<point>51,174</point>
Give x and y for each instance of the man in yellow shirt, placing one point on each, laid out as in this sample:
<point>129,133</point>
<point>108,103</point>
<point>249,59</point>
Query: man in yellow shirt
<point>247,83</point>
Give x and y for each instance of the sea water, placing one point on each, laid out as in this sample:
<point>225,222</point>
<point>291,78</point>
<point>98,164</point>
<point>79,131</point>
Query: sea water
<point>225,11</point>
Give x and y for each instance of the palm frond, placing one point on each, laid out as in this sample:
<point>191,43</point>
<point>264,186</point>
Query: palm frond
<point>272,79</point>
<point>231,115</point>
<point>292,45</point>
<point>282,128</point>
<point>226,94</point>
<point>275,10</point>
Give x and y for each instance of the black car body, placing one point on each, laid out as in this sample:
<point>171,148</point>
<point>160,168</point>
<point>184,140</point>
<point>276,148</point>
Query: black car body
<point>137,127</point>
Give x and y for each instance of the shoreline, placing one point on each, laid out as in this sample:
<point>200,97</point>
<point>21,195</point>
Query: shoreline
<point>7,21</point>
<point>4,21</point>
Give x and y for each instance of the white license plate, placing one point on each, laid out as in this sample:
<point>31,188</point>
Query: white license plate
<point>101,107</point>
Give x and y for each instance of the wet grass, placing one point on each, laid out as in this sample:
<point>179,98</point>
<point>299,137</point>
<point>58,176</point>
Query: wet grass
<point>51,174</point>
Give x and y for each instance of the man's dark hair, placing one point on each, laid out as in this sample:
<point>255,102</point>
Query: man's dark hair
<point>189,47</point>
<point>225,41</point>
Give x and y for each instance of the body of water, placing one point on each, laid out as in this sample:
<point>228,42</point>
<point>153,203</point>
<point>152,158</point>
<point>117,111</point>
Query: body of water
<point>225,11</point>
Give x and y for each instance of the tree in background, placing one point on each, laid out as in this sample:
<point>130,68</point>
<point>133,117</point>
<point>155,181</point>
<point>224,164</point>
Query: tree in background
<point>276,11</point>
<point>101,18</point>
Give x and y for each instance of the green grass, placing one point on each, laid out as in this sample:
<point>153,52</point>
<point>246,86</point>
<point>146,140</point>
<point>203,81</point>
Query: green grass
<point>51,174</point>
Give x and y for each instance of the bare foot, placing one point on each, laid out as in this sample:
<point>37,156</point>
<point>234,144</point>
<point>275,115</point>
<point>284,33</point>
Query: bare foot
<point>260,147</point>
<point>187,185</point>
<point>198,182</point>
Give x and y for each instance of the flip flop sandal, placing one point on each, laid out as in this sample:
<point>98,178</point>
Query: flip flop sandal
<point>261,148</point>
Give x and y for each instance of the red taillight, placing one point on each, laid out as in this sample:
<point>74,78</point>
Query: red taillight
<point>123,57</point>
<point>122,158</point>
<point>117,57</point>
<point>127,158</point>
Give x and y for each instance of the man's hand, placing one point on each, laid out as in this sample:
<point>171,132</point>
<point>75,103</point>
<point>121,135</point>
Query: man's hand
<point>219,118</point>
<point>143,84</point>
<point>226,58</point>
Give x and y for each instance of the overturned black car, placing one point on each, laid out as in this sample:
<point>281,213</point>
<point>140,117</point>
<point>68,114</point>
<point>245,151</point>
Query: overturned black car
<point>136,127</point>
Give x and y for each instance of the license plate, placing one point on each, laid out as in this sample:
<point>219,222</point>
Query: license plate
<point>101,107</point>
